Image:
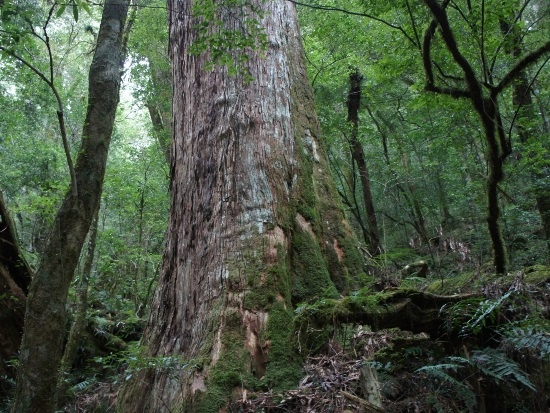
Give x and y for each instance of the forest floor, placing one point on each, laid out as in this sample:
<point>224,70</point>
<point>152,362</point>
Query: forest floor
<point>490,353</point>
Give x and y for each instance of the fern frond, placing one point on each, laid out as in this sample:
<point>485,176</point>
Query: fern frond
<point>495,365</point>
<point>484,313</point>
<point>529,339</point>
<point>462,390</point>
<point>83,384</point>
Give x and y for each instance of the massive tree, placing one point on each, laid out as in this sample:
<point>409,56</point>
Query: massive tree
<point>255,226</point>
<point>45,316</point>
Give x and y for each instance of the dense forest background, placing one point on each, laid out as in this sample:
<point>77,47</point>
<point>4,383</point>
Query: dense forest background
<point>414,166</point>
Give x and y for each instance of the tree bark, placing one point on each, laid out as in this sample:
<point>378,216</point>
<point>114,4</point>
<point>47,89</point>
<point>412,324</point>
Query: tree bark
<point>15,277</point>
<point>354,103</point>
<point>254,224</point>
<point>45,317</point>
<point>79,323</point>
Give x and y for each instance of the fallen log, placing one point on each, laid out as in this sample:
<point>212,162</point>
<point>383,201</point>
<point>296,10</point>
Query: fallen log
<point>410,310</point>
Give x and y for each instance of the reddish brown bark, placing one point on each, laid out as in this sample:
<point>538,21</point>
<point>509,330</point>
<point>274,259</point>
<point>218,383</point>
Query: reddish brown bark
<point>254,223</point>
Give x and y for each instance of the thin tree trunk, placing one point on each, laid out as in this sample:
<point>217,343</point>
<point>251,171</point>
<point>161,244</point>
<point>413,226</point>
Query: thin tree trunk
<point>525,117</point>
<point>79,323</point>
<point>45,317</point>
<point>254,223</point>
<point>161,115</point>
<point>354,103</point>
<point>487,109</point>
<point>414,208</point>
<point>160,131</point>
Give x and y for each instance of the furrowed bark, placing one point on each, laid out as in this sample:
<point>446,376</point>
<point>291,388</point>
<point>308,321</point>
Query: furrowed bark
<point>254,223</point>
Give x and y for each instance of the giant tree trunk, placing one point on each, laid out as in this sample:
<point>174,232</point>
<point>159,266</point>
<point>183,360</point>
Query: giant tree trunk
<point>254,224</point>
<point>42,343</point>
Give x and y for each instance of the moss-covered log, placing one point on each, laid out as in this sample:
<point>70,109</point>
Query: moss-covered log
<point>410,310</point>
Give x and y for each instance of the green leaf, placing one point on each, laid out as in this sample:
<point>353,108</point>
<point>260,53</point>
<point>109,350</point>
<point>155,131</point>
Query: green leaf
<point>75,12</point>
<point>61,9</point>
<point>85,6</point>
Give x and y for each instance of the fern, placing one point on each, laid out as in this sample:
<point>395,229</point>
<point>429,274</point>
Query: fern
<point>490,363</point>
<point>83,385</point>
<point>484,314</point>
<point>529,339</point>
<point>495,365</point>
<point>463,391</point>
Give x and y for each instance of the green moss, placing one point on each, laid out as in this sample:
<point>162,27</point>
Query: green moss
<point>284,369</point>
<point>268,283</point>
<point>345,273</point>
<point>537,274</point>
<point>460,283</point>
<point>306,204</point>
<point>316,320</point>
<point>231,371</point>
<point>311,278</point>
<point>471,282</point>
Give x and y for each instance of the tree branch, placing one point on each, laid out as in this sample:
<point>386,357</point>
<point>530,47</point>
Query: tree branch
<point>523,64</point>
<point>428,64</point>
<point>440,17</point>
<point>51,85</point>
<point>354,13</point>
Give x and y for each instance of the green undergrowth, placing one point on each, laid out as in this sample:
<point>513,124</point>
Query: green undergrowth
<point>473,282</point>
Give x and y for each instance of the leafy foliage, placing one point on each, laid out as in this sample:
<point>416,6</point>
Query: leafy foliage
<point>490,363</point>
<point>133,360</point>
<point>530,338</point>
<point>227,44</point>
<point>462,390</point>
